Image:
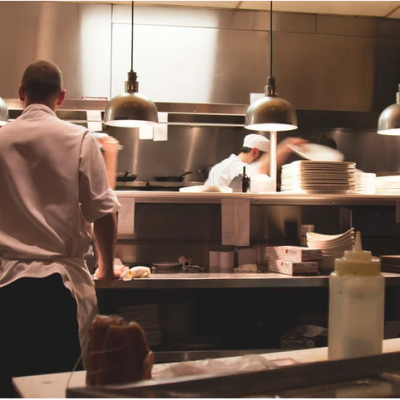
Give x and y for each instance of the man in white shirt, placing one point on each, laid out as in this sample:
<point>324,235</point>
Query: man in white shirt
<point>254,156</point>
<point>53,187</point>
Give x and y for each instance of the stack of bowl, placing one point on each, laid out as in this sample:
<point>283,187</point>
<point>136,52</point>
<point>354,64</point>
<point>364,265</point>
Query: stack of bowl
<point>332,246</point>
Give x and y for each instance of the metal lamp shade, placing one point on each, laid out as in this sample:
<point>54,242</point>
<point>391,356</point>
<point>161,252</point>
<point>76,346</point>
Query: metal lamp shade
<point>272,114</point>
<point>130,110</point>
<point>3,112</point>
<point>389,120</point>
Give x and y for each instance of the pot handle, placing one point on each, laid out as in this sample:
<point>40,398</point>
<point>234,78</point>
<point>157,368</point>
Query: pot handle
<point>185,173</point>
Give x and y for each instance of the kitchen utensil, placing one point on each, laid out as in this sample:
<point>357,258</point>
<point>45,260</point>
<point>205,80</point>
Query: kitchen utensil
<point>173,178</point>
<point>166,267</point>
<point>126,176</point>
<point>317,152</point>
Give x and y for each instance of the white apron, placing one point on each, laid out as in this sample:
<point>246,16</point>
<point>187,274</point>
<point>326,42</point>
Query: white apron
<point>76,278</point>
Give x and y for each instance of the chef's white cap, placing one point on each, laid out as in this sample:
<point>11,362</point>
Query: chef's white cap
<point>256,140</point>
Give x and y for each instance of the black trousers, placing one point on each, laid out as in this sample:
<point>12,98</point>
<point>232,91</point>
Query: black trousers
<point>38,329</point>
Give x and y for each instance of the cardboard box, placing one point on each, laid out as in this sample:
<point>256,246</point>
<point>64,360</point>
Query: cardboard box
<point>294,268</point>
<point>293,253</point>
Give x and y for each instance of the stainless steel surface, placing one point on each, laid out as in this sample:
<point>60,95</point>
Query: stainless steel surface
<point>261,199</point>
<point>207,59</point>
<point>389,120</point>
<point>187,148</point>
<point>3,112</point>
<point>271,114</point>
<point>214,47</point>
<point>134,184</point>
<point>130,110</point>
<point>219,281</point>
<point>336,68</point>
<point>76,36</point>
<point>168,224</point>
<point>335,25</point>
<point>199,148</point>
<point>178,356</point>
<point>166,184</point>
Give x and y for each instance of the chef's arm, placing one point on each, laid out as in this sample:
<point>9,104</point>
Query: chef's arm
<point>105,233</point>
<point>282,153</point>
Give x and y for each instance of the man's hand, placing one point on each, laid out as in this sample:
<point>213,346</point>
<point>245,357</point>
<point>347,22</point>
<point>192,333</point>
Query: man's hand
<point>107,275</point>
<point>283,146</point>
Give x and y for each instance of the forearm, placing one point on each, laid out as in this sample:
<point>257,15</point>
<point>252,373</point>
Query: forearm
<point>105,233</point>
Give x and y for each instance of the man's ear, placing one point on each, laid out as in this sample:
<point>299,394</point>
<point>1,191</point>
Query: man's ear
<point>61,97</point>
<point>21,92</point>
<point>255,153</point>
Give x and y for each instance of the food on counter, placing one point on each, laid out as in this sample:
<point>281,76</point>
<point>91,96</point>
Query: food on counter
<point>117,352</point>
<point>136,272</point>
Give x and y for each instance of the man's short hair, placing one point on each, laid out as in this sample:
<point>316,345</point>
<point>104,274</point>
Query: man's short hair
<point>248,150</point>
<point>42,81</point>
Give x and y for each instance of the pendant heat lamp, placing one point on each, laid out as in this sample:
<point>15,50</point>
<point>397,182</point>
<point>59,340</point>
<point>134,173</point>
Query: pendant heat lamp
<point>131,109</point>
<point>3,112</point>
<point>271,113</point>
<point>389,120</point>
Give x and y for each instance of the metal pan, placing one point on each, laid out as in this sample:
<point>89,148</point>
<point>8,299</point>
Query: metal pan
<point>172,178</point>
<point>126,176</point>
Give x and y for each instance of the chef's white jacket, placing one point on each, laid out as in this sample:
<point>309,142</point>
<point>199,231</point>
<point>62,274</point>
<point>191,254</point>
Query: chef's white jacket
<point>222,173</point>
<point>53,186</point>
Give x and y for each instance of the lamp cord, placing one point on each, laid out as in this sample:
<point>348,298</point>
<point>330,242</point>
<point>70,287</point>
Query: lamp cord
<point>133,7</point>
<point>270,36</point>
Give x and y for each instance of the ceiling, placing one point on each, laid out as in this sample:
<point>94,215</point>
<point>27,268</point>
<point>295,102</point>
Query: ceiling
<point>386,9</point>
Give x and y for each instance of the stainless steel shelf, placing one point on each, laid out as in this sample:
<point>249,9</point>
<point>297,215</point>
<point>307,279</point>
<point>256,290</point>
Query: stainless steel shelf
<point>260,199</point>
<point>226,281</point>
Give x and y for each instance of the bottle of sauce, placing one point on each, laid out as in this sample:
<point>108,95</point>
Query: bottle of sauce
<point>356,305</point>
<point>245,181</point>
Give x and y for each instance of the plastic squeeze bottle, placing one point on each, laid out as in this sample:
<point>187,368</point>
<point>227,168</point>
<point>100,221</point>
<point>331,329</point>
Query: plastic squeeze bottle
<point>356,305</point>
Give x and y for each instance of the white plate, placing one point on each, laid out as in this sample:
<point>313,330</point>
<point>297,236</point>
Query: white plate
<point>206,189</point>
<point>321,236</point>
<point>344,164</point>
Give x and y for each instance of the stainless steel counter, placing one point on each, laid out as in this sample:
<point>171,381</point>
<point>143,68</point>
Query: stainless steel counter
<point>262,199</point>
<point>226,281</point>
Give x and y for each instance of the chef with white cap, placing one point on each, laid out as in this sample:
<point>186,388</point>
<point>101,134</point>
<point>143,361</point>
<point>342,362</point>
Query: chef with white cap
<point>254,155</point>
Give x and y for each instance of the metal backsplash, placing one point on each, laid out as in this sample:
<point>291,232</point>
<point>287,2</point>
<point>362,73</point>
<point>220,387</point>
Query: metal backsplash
<point>76,36</point>
<point>347,66</point>
<point>205,56</point>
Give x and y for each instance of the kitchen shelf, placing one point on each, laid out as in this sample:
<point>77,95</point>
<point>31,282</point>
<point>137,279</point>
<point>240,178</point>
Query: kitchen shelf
<point>260,199</point>
<point>226,281</point>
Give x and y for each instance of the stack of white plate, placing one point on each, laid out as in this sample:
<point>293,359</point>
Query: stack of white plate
<point>148,318</point>
<point>332,246</point>
<point>388,184</point>
<point>316,177</point>
<point>365,183</point>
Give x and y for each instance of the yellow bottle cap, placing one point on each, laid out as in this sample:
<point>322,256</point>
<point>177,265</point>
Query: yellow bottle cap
<point>358,261</point>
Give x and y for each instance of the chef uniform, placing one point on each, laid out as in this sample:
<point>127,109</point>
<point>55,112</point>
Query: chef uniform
<point>53,185</point>
<point>222,173</point>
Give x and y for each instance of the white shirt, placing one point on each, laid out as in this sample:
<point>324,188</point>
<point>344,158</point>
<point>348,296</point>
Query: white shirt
<point>53,186</point>
<point>222,173</point>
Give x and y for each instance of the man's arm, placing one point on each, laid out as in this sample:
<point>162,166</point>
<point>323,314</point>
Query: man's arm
<point>282,153</point>
<point>105,233</point>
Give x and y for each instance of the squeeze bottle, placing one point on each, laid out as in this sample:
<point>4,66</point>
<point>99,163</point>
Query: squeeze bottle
<point>356,305</point>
